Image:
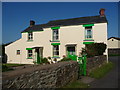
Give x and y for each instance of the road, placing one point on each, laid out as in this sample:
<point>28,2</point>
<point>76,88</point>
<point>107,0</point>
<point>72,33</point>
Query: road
<point>111,79</point>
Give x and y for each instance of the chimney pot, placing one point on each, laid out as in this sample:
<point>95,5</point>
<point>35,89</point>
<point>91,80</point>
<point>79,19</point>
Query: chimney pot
<point>32,23</point>
<point>102,12</point>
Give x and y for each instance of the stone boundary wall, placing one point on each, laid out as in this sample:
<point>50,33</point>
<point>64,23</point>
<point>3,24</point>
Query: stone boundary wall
<point>95,62</point>
<point>114,51</point>
<point>42,76</point>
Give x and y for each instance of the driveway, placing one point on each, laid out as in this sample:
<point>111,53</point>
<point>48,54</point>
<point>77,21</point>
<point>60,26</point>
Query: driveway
<point>110,80</point>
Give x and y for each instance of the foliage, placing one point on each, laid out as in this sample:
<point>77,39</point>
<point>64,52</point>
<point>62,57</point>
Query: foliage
<point>101,71</point>
<point>66,59</point>
<point>94,49</point>
<point>45,60</point>
<point>76,84</point>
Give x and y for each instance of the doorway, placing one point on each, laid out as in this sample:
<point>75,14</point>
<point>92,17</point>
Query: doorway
<point>71,52</point>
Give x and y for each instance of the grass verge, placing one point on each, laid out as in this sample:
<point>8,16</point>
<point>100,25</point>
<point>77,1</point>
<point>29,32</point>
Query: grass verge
<point>99,72</point>
<point>76,84</point>
<point>8,67</point>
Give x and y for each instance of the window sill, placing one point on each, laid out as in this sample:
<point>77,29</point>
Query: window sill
<point>29,58</point>
<point>55,41</point>
<point>55,57</point>
<point>88,40</point>
<point>29,40</point>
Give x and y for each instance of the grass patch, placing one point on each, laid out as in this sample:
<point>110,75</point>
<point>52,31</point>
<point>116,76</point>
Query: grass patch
<point>101,71</point>
<point>76,84</point>
<point>8,67</point>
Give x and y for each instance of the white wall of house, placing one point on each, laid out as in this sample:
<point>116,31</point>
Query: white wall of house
<point>67,35</point>
<point>113,43</point>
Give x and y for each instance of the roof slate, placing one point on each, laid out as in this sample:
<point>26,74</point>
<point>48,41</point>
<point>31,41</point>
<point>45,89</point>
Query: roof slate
<point>68,22</point>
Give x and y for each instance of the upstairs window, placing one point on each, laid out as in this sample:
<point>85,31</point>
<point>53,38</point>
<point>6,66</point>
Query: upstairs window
<point>88,33</point>
<point>30,36</point>
<point>55,35</point>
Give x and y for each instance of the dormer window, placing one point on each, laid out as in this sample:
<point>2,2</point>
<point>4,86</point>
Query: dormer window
<point>30,36</point>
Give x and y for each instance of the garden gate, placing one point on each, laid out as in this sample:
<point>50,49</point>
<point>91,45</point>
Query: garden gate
<point>82,63</point>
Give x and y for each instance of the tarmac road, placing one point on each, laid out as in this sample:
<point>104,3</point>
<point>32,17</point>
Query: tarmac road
<point>111,79</point>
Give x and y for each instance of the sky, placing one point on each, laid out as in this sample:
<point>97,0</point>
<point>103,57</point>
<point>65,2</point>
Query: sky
<point>17,15</point>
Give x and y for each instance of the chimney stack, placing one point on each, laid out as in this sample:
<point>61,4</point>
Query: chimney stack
<point>102,12</point>
<point>32,23</point>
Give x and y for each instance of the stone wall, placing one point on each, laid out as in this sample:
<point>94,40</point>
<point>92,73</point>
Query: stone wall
<point>42,76</point>
<point>94,62</point>
<point>114,51</point>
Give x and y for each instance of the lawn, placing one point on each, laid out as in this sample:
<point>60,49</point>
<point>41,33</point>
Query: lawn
<point>8,67</point>
<point>99,72</point>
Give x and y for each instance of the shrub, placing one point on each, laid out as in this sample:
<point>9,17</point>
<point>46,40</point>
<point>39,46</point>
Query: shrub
<point>94,49</point>
<point>44,60</point>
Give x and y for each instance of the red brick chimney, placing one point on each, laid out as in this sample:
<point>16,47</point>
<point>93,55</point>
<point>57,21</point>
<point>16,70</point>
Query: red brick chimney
<point>102,12</point>
<point>32,23</point>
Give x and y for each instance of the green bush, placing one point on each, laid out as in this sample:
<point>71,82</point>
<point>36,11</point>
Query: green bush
<point>44,60</point>
<point>94,49</point>
<point>66,59</point>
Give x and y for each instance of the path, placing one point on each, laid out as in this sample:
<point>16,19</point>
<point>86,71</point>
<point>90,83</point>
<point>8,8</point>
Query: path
<point>111,79</point>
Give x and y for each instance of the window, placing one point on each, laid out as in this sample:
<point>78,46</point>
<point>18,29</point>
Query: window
<point>30,36</point>
<point>29,53</point>
<point>88,32</point>
<point>18,52</point>
<point>55,50</point>
<point>55,35</point>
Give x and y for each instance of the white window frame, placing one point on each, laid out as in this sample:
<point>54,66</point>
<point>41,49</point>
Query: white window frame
<point>30,35</point>
<point>55,35</point>
<point>17,52</point>
<point>87,36</point>
<point>55,50</point>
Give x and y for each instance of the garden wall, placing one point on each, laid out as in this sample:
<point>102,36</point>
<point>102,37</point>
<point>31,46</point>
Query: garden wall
<point>94,62</point>
<point>42,76</point>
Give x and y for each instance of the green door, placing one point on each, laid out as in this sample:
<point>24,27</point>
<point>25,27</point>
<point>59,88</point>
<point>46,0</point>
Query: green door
<point>38,56</point>
<point>71,53</point>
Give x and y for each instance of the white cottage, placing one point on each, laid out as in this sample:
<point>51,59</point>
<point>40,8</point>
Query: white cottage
<point>57,38</point>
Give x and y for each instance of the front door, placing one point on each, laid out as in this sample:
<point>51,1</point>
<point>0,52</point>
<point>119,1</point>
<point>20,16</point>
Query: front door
<point>39,55</point>
<point>71,53</point>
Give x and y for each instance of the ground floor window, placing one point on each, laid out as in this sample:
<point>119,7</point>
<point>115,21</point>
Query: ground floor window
<point>30,53</point>
<point>18,52</point>
<point>55,50</point>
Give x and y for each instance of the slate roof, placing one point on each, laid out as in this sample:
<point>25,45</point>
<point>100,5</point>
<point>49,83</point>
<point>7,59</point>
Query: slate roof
<point>68,22</point>
<point>117,38</point>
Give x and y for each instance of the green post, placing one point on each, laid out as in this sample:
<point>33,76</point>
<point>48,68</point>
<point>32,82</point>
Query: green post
<point>84,65</point>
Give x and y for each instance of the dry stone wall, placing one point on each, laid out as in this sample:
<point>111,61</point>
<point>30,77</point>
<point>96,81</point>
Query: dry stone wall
<point>42,76</point>
<point>95,62</point>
